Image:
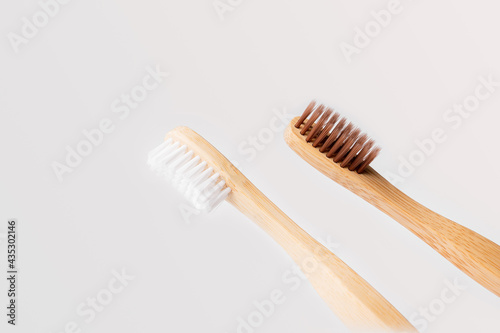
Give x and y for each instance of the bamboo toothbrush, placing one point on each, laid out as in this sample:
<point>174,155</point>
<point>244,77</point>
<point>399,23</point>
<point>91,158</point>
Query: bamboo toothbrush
<point>341,152</point>
<point>207,178</point>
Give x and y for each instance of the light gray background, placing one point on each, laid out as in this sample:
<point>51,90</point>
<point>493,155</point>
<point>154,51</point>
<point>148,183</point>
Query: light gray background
<point>226,78</point>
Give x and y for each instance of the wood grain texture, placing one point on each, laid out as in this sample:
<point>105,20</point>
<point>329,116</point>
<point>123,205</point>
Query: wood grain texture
<point>350,297</point>
<point>474,254</point>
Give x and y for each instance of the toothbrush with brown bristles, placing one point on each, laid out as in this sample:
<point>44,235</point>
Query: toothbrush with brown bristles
<point>207,178</point>
<point>341,152</point>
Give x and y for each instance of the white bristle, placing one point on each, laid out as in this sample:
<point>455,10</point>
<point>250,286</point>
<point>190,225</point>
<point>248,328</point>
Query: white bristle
<point>189,174</point>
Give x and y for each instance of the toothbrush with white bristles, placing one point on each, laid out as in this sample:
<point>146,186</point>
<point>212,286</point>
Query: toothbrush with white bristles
<point>206,178</point>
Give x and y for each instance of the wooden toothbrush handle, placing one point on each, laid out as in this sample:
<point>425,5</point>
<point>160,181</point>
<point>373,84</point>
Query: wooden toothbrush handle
<point>354,301</point>
<point>474,254</point>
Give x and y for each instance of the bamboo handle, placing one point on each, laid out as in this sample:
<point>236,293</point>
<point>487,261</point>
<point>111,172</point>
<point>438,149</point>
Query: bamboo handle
<point>354,301</point>
<point>474,254</point>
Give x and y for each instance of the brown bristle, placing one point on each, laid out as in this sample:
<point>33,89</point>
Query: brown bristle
<point>337,138</point>
<point>306,114</point>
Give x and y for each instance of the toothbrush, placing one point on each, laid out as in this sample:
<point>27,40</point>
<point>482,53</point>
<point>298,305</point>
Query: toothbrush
<point>341,152</point>
<point>206,178</point>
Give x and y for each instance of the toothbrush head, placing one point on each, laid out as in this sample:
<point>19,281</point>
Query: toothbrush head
<point>339,139</point>
<point>203,187</point>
